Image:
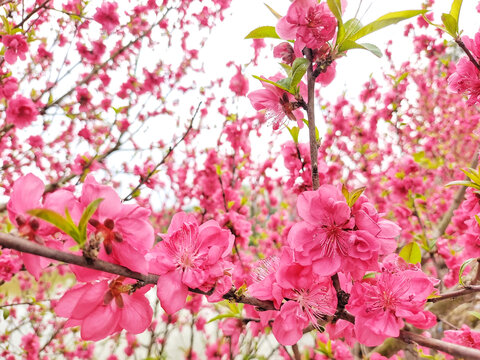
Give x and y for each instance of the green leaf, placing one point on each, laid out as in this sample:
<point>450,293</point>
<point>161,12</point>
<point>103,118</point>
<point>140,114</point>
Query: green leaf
<point>400,78</point>
<point>451,25</point>
<point>272,83</point>
<point>475,313</point>
<point>6,314</point>
<point>299,68</point>
<point>386,20</point>
<point>87,214</point>
<point>472,175</point>
<point>294,131</point>
<point>336,8</point>
<point>57,220</point>
<point>222,316</point>
<point>354,195</point>
<point>263,32</point>
<point>349,44</point>
<point>286,68</point>
<point>463,183</point>
<point>411,253</point>
<point>352,26</point>
<point>369,275</point>
<point>276,14</point>
<point>462,269</point>
<point>317,134</point>
<point>455,9</point>
<point>286,84</point>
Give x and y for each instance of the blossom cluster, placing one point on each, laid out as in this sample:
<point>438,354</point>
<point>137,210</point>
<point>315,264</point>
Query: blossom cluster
<point>190,256</point>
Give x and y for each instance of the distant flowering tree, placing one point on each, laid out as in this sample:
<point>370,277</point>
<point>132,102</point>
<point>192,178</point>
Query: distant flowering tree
<point>365,234</point>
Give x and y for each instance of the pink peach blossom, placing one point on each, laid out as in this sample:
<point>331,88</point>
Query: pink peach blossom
<point>107,16</point>
<point>104,308</point>
<point>21,111</point>
<point>191,256</point>
<point>124,229</point>
<point>381,304</point>
<point>309,23</point>
<point>278,103</point>
<point>15,46</point>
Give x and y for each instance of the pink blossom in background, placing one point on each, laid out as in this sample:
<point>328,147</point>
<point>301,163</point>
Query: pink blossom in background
<point>107,16</point>
<point>31,346</point>
<point>191,256</point>
<point>309,23</point>
<point>239,83</point>
<point>15,46</point>
<point>8,87</point>
<point>9,265</point>
<point>21,111</point>
<point>104,308</point>
<point>464,336</point>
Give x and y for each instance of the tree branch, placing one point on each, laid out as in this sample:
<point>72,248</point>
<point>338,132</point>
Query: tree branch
<point>311,120</point>
<point>457,200</point>
<point>30,247</point>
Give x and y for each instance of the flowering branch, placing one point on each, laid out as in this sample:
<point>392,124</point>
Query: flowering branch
<point>20,244</point>
<point>469,54</point>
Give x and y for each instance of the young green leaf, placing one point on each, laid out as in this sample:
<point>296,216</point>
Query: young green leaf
<point>349,44</point>
<point>354,195</point>
<point>58,221</point>
<point>455,9</point>
<point>451,25</point>
<point>299,68</point>
<point>87,214</point>
<point>385,20</point>
<point>276,14</point>
<point>294,131</point>
<point>351,27</point>
<point>336,9</point>
<point>287,69</point>
<point>411,253</point>
<point>463,183</point>
<point>272,83</point>
<point>263,32</point>
<point>462,270</point>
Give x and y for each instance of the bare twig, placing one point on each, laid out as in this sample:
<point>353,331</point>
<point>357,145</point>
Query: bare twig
<point>143,180</point>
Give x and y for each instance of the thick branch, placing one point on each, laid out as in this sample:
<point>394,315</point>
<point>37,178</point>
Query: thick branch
<point>26,246</point>
<point>311,120</point>
<point>453,349</point>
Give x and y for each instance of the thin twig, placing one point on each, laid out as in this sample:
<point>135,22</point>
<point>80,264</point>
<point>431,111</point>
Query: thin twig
<point>143,180</point>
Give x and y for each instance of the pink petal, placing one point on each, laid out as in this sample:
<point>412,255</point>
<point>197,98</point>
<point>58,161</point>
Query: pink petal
<point>102,322</point>
<point>171,292</point>
<point>136,313</point>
